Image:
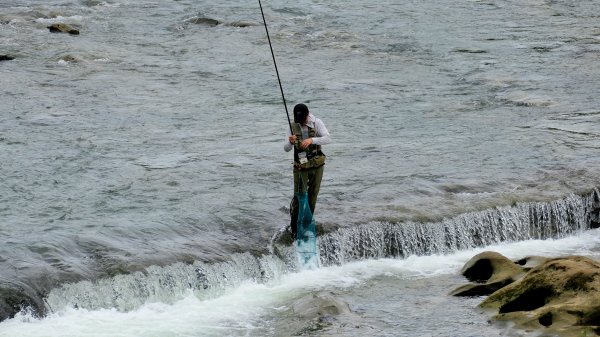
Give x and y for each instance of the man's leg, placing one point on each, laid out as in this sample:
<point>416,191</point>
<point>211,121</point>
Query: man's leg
<point>300,180</point>
<point>314,185</point>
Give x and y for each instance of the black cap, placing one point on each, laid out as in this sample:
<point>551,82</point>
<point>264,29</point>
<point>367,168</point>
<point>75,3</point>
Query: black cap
<point>300,113</point>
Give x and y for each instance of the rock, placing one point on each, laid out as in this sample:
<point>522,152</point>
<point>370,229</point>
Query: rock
<point>318,312</point>
<point>62,28</point>
<point>6,58</point>
<point>560,296</point>
<point>319,305</point>
<point>15,299</point>
<point>592,317</point>
<point>479,289</point>
<point>530,262</point>
<point>70,58</point>
<point>203,21</point>
<point>92,3</point>
<point>491,271</point>
<point>470,51</point>
<point>490,267</point>
<point>243,24</point>
<point>595,213</point>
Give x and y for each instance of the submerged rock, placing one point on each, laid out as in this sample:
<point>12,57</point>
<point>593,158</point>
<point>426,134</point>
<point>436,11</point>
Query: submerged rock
<point>559,296</point>
<point>470,51</point>
<point>203,21</point>
<point>319,305</point>
<point>71,58</point>
<point>63,28</point>
<point>92,3</point>
<point>319,311</point>
<point>15,299</point>
<point>243,24</point>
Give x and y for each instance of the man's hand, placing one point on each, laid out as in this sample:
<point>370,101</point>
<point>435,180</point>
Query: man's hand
<point>306,143</point>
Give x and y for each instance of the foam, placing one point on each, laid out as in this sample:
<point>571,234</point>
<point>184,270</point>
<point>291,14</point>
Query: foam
<point>61,19</point>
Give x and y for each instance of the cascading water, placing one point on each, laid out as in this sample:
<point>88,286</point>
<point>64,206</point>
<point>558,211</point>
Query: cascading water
<point>524,221</point>
<point>166,284</point>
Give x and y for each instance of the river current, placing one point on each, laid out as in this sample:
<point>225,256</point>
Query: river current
<point>155,140</point>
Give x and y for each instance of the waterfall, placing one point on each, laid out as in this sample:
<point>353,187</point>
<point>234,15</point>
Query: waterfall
<point>166,284</point>
<point>523,221</point>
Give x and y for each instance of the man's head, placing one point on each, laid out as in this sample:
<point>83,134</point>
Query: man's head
<point>300,113</point>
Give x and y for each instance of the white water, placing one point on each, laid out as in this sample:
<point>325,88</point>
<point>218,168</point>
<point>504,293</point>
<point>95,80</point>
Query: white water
<point>253,309</point>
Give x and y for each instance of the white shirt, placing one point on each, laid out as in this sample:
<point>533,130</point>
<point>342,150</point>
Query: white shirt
<point>322,136</point>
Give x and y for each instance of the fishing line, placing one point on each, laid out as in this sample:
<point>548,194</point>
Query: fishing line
<point>275,63</point>
<point>305,236</point>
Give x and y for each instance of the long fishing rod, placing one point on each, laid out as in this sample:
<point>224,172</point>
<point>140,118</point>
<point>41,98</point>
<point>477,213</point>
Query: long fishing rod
<point>275,63</point>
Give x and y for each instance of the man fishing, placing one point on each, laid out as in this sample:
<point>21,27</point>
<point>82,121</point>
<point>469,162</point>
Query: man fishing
<point>309,134</point>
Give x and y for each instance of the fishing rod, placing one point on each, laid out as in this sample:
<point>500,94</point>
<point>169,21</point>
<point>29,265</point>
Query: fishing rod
<point>276,70</point>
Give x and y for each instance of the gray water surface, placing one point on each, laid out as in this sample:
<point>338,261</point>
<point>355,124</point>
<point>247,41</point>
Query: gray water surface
<point>148,140</point>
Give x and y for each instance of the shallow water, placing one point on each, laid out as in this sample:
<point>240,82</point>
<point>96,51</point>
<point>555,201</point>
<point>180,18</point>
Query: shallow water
<point>150,140</point>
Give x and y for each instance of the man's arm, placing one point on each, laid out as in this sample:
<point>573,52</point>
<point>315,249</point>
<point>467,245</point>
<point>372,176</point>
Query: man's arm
<point>322,137</point>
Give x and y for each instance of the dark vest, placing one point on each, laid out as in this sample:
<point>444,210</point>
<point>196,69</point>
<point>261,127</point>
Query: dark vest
<point>315,157</point>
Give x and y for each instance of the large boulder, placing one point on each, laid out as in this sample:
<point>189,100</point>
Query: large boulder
<point>490,271</point>
<point>561,297</point>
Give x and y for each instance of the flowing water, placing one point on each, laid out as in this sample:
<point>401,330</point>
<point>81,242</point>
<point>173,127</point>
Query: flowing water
<point>143,173</point>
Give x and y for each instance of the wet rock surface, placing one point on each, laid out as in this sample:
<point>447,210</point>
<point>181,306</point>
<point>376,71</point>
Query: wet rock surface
<point>489,271</point>
<point>558,296</point>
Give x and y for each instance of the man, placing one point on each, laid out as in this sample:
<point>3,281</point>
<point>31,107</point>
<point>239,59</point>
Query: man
<point>309,134</point>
